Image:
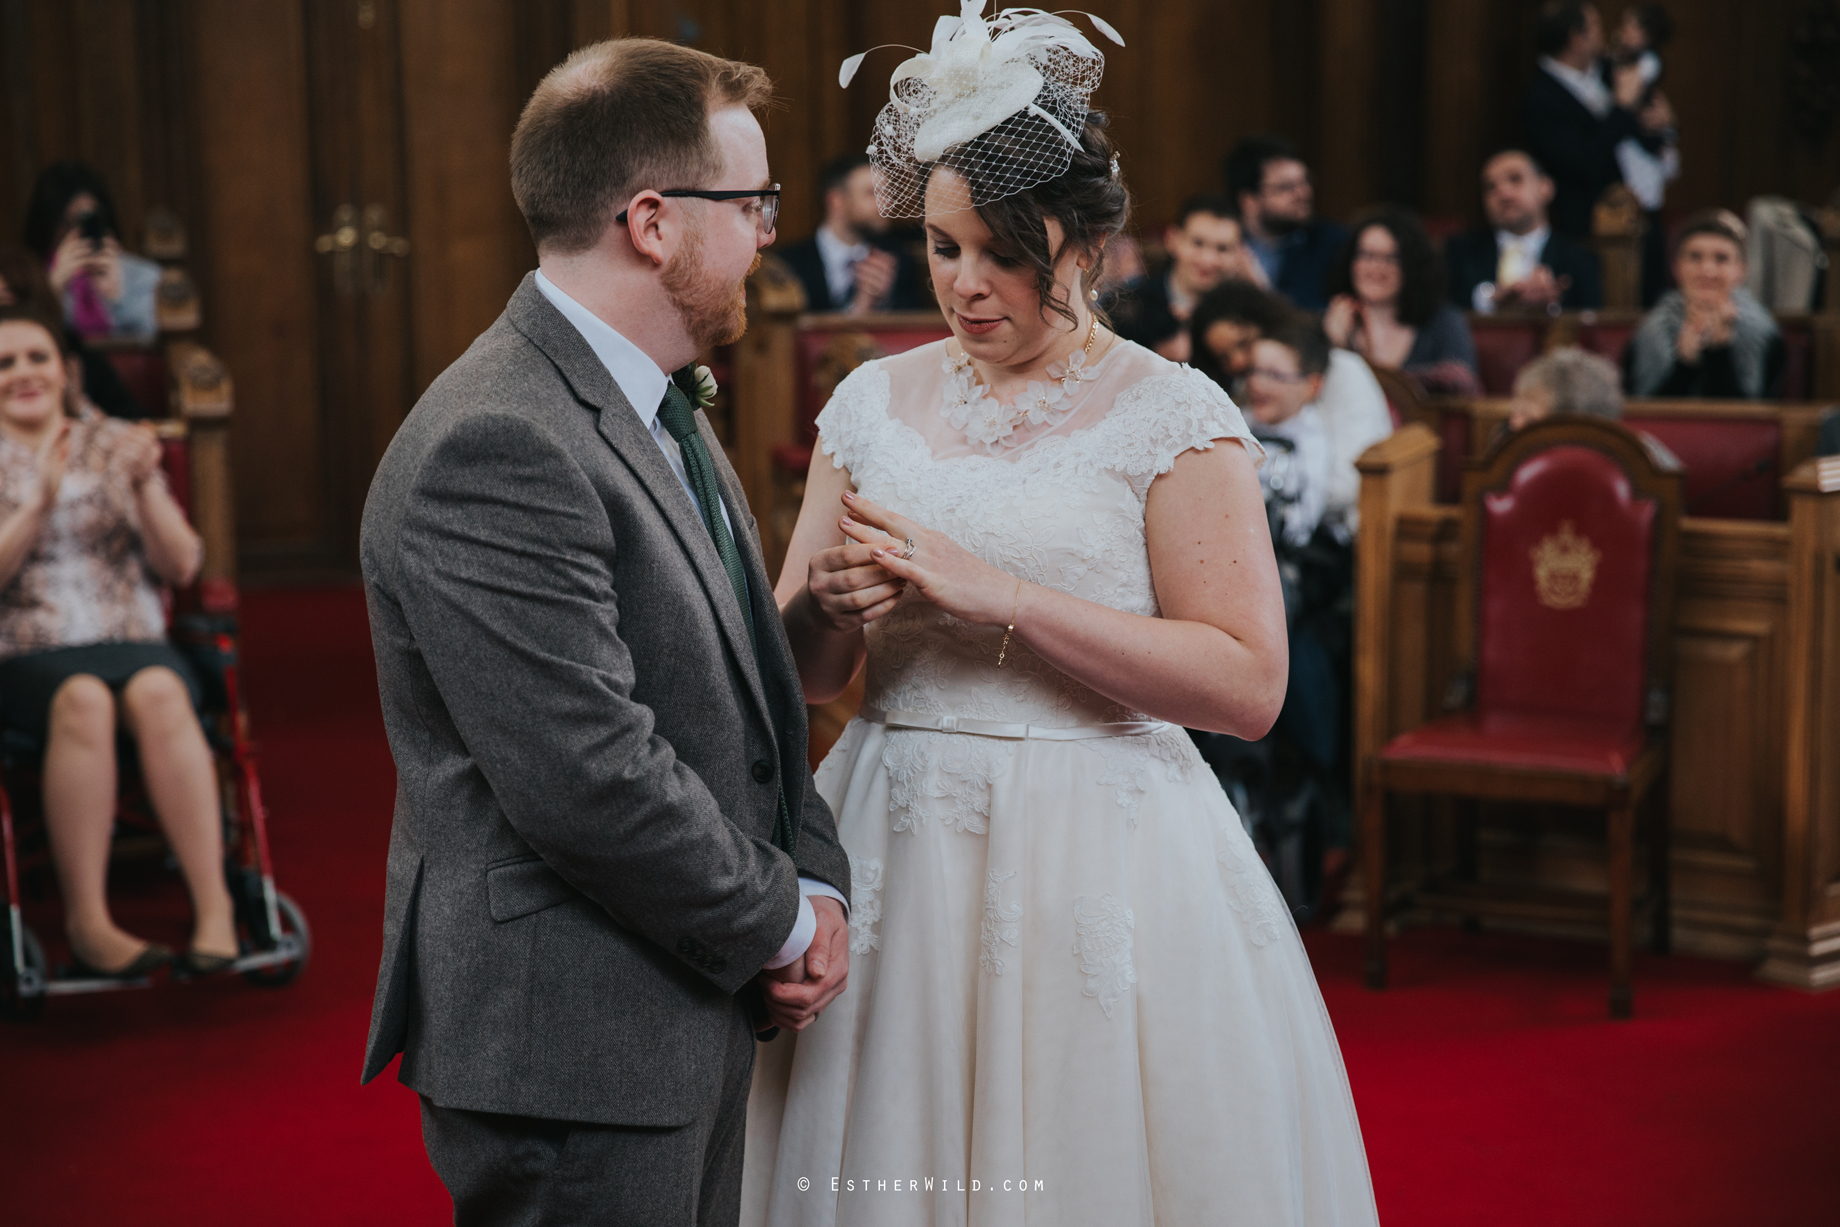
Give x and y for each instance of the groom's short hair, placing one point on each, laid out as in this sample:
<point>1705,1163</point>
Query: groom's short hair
<point>613,120</point>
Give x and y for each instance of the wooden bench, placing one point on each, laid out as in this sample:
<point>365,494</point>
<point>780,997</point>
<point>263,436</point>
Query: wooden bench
<point>784,371</point>
<point>1755,776</point>
<point>1735,452</point>
<point>1505,343</point>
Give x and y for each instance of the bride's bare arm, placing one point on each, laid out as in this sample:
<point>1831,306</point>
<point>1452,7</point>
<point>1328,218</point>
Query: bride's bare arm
<point>829,587</point>
<point>1216,659</point>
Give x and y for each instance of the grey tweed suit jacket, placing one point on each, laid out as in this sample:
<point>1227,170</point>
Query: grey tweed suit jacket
<point>581,868</point>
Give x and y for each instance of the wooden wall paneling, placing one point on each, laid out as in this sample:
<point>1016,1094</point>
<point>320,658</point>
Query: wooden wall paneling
<point>460,102</point>
<point>19,160</point>
<point>1805,948</point>
<point>1347,166</point>
<point>254,155</point>
<point>1455,121</point>
<point>1726,777</point>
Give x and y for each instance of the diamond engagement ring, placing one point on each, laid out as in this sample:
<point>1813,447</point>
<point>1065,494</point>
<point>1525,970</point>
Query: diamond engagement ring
<point>908,553</point>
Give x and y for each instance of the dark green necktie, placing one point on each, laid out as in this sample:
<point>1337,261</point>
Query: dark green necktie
<point>680,419</point>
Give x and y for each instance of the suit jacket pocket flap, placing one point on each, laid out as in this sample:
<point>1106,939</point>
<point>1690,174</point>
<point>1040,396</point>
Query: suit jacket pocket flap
<point>523,887</point>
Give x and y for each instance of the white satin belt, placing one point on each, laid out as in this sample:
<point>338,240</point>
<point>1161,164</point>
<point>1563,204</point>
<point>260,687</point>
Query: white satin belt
<point>1009,732</point>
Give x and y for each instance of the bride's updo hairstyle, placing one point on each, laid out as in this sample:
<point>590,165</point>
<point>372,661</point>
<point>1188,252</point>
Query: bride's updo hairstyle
<point>1088,199</point>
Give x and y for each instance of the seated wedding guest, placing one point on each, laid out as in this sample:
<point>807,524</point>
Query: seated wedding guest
<point>88,532</point>
<point>1518,263</point>
<point>1205,248</point>
<point>1389,306</point>
<point>1710,337</point>
<point>1572,380</point>
<point>1282,385</point>
<point>1269,183</point>
<point>97,383</point>
<point>1226,324</point>
<point>1567,380</point>
<point>70,224</point>
<point>848,264</point>
<point>1316,571</point>
<point>1571,120</point>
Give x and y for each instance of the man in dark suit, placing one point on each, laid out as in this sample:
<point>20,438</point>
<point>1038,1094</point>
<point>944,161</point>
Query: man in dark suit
<point>1267,180</point>
<point>849,264</point>
<point>1206,247</point>
<point>1571,120</point>
<point>1518,262</point>
<point>609,866</point>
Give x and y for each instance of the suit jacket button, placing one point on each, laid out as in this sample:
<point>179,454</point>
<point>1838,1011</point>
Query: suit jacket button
<point>763,771</point>
<point>718,964</point>
<point>696,951</point>
<point>683,945</point>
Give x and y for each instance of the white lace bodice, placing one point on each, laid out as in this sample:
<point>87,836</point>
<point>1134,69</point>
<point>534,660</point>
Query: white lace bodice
<point>1064,510</point>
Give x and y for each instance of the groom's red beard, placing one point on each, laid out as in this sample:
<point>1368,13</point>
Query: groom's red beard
<point>714,311</point>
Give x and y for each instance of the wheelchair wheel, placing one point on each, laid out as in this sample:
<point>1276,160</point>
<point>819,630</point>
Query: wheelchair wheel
<point>294,931</point>
<point>17,1006</point>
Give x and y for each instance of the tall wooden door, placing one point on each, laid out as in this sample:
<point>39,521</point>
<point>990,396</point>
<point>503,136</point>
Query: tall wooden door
<point>354,84</point>
<point>360,232</point>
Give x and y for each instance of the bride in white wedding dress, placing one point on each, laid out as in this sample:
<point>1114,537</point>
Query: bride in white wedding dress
<point>1075,996</point>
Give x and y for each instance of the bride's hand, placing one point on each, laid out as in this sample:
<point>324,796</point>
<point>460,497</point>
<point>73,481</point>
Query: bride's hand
<point>941,570</point>
<point>848,587</point>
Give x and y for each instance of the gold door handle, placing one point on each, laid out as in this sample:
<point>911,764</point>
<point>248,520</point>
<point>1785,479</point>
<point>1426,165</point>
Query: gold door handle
<point>341,243</point>
<point>378,243</point>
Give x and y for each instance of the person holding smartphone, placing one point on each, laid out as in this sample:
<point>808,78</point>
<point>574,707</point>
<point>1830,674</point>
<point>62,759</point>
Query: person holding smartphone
<point>107,293</point>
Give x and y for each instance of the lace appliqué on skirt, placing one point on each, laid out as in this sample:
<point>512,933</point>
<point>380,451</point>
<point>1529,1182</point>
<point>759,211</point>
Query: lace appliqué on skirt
<point>1250,891</point>
<point>865,905</point>
<point>1133,763</point>
<point>1102,941</point>
<point>953,771</point>
<point>1000,927</point>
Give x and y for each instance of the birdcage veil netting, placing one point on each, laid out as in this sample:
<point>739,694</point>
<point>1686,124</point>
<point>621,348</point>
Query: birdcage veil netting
<point>1001,101</point>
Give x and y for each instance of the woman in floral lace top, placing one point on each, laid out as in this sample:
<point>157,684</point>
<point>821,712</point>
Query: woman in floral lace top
<point>88,531</point>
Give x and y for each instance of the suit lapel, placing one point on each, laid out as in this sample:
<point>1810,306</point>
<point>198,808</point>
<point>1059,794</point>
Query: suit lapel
<point>618,423</point>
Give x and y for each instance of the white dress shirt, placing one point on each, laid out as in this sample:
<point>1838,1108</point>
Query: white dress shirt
<point>840,261</point>
<point>1584,85</point>
<point>643,383</point>
<point>1516,256</point>
<point>1354,416</point>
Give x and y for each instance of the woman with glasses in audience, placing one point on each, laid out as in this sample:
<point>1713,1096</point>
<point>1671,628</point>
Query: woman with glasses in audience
<point>1709,337</point>
<point>1388,304</point>
<point>88,532</point>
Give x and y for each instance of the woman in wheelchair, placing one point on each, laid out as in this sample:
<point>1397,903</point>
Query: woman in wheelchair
<point>88,532</point>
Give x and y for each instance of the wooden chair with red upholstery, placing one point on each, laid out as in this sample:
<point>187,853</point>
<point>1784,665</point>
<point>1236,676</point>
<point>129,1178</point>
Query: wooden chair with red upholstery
<point>1571,538</point>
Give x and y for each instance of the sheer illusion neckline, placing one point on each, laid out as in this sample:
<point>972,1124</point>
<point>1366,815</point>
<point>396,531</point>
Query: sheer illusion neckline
<point>1004,429</point>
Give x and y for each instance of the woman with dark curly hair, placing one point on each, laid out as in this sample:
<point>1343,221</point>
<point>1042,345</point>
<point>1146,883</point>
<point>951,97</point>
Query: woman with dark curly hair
<point>1387,304</point>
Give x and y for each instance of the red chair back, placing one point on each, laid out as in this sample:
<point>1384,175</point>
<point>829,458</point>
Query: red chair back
<point>1504,344</point>
<point>1607,339</point>
<point>825,355</point>
<point>1733,464</point>
<point>1575,535</point>
<point>143,370</point>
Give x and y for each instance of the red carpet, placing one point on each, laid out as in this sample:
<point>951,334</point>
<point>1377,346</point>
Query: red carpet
<point>1491,1087</point>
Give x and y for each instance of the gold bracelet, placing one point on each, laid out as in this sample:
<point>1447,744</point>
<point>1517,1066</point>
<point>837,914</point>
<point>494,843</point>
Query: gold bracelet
<point>1010,629</point>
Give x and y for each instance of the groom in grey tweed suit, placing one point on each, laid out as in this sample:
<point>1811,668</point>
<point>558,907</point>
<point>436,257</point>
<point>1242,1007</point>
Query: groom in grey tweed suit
<point>609,867</point>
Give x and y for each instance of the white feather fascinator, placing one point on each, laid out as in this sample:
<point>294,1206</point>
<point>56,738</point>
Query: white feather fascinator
<point>1002,101</point>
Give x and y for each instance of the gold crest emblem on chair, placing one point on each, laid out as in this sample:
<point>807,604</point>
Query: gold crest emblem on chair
<point>1564,564</point>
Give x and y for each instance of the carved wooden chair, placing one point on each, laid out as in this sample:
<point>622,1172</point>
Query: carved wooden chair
<point>1571,538</point>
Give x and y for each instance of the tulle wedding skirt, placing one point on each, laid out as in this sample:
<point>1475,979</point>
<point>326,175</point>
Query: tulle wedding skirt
<point>1075,997</point>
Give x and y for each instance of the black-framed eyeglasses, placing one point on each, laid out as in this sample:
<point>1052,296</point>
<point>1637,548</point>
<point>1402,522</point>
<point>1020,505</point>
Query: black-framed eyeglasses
<point>764,219</point>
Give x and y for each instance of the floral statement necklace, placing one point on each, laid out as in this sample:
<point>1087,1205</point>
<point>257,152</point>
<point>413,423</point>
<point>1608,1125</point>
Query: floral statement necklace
<point>990,423</point>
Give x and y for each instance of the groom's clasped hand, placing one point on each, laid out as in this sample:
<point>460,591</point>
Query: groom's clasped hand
<point>798,992</point>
